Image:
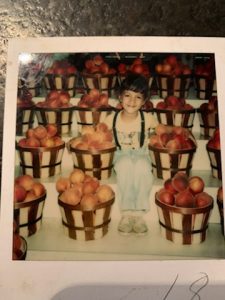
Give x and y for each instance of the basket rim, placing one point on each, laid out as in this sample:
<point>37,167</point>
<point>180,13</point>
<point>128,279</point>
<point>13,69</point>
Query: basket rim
<point>174,77</point>
<point>184,210</point>
<point>97,75</point>
<point>62,75</point>
<point>31,107</point>
<point>93,109</point>
<point>180,111</point>
<point>19,205</point>
<point>57,109</point>
<point>164,150</point>
<point>91,152</point>
<point>79,208</point>
<point>39,149</point>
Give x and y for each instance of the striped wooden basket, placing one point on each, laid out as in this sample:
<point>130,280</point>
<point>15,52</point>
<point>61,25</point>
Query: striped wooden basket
<point>41,162</point>
<point>177,86</point>
<point>98,164</point>
<point>183,118</point>
<point>205,87</point>
<point>62,117</point>
<point>90,116</point>
<point>24,119</point>
<point>104,83</point>
<point>183,225</point>
<point>61,83</point>
<point>220,208</point>
<point>22,253</point>
<point>208,122</point>
<point>32,87</point>
<point>215,162</point>
<point>28,215</point>
<point>85,225</point>
<point>165,163</point>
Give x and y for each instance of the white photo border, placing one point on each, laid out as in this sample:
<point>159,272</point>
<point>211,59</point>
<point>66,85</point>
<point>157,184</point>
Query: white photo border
<point>43,279</point>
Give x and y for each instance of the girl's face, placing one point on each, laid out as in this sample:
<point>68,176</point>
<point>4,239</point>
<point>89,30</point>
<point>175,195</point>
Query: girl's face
<point>132,101</point>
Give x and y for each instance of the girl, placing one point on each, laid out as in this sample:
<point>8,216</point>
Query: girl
<point>132,165</point>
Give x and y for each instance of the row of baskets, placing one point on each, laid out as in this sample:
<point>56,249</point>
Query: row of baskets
<point>64,118</point>
<point>163,85</point>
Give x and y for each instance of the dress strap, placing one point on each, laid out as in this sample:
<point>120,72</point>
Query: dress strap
<point>114,129</point>
<point>142,137</point>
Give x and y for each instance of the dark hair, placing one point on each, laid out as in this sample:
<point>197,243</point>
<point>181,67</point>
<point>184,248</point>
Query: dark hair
<point>136,83</point>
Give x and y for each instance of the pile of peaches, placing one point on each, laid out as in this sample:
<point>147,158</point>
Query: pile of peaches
<point>84,190</point>
<point>97,65</point>
<point>26,188</point>
<point>56,99</point>
<point>137,67</point>
<point>94,99</point>
<point>181,191</point>
<point>93,138</point>
<point>174,103</point>
<point>173,67</point>
<point>214,142</point>
<point>172,138</point>
<point>41,136</point>
<point>62,67</point>
<point>205,69</point>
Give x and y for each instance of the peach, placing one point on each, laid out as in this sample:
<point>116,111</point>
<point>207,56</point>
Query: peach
<point>104,193</point>
<point>203,199</point>
<point>22,142</point>
<point>51,130</point>
<point>180,182</point>
<point>26,181</point>
<point>160,129</point>
<point>94,93</point>
<point>77,176</point>
<point>106,145</point>
<point>103,100</point>
<point>30,133</point>
<point>57,140</point>
<point>40,132</point>
<point>32,142</point>
<point>165,196</point>
<point>82,146</point>
<point>30,196</point>
<point>75,141</point>
<point>17,242</point>
<point>88,202</point>
<point>71,196</point>
<point>47,142</point>
<point>78,186</point>
<point>101,127</point>
<point>173,145</point>
<point>19,193</point>
<point>38,189</point>
<point>184,199</point>
<point>52,95</point>
<point>90,187</point>
<point>64,97</point>
<point>196,184</point>
<point>87,129</point>
<point>161,105</point>
<point>169,186</point>
<point>62,184</point>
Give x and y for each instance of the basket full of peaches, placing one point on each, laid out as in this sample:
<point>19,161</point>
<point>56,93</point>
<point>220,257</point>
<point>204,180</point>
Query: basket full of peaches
<point>56,109</point>
<point>171,149</point>
<point>184,209</point>
<point>173,77</point>
<point>85,205</point>
<point>92,108</point>
<point>93,151</point>
<point>208,117</point>
<point>205,78</point>
<point>29,200</point>
<point>40,151</point>
<point>214,153</point>
<point>98,74</point>
<point>61,76</point>
<point>138,66</point>
<point>175,111</point>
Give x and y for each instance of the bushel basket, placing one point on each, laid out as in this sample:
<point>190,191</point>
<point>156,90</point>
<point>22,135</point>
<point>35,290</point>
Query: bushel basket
<point>85,225</point>
<point>183,225</point>
<point>61,83</point>
<point>215,161</point>
<point>205,87</point>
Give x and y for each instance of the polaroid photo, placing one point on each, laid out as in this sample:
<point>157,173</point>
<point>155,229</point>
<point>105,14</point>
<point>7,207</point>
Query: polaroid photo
<point>113,159</point>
